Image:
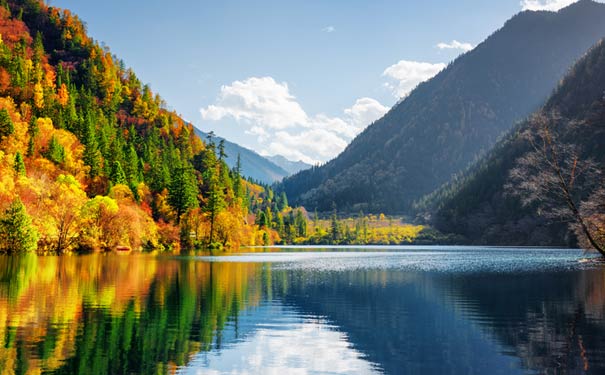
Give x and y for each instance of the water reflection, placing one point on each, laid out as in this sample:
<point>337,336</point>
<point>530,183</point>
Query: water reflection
<point>113,315</point>
<point>395,313</point>
<point>281,340</point>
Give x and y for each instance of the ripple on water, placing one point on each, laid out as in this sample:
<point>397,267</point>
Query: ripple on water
<point>433,259</point>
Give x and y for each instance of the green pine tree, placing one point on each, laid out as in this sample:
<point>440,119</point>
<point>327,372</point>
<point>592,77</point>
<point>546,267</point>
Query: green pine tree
<point>301,224</point>
<point>334,227</point>
<point>31,147</point>
<point>17,235</point>
<point>117,175</point>
<point>282,201</point>
<point>55,152</point>
<point>182,194</point>
<point>222,155</point>
<point>132,166</point>
<point>215,201</point>
<point>33,132</point>
<point>6,124</point>
<point>280,225</point>
<point>92,156</point>
<point>19,165</point>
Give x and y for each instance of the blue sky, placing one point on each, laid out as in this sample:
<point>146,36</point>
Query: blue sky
<point>298,78</point>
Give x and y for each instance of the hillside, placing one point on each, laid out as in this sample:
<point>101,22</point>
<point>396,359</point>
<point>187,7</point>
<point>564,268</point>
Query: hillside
<point>480,207</point>
<point>91,159</point>
<point>448,121</point>
<point>253,165</point>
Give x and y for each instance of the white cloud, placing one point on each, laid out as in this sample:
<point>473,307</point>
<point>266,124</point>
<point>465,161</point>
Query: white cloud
<point>552,5</point>
<point>406,75</point>
<point>282,343</point>
<point>364,112</point>
<point>268,111</point>
<point>257,100</point>
<point>456,45</point>
<point>309,146</point>
<point>328,29</point>
<point>259,132</point>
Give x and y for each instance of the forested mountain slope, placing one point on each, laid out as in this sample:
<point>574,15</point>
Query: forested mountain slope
<point>482,204</point>
<point>91,159</point>
<point>445,123</point>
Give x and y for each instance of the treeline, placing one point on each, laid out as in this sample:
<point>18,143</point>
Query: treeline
<point>285,225</point>
<point>91,159</point>
<point>363,230</point>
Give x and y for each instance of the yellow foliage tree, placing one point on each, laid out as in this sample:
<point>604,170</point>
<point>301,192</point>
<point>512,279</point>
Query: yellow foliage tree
<point>38,96</point>
<point>101,227</point>
<point>229,228</point>
<point>73,163</point>
<point>17,141</point>
<point>133,226</point>
<point>63,217</point>
<point>63,95</point>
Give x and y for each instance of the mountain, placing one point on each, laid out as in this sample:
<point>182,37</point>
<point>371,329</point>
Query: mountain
<point>290,166</point>
<point>449,121</point>
<point>253,165</point>
<point>478,206</point>
<point>92,160</point>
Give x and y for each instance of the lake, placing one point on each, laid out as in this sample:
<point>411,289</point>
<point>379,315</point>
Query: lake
<point>364,310</point>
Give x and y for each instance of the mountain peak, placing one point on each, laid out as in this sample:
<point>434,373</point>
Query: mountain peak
<point>448,121</point>
<point>290,166</point>
<point>582,5</point>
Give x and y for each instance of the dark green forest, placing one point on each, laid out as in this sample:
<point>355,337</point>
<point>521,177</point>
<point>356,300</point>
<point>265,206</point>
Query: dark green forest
<point>480,206</point>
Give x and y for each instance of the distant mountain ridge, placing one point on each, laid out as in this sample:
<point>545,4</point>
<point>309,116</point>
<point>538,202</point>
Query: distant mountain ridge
<point>290,166</point>
<point>253,165</point>
<point>448,121</point>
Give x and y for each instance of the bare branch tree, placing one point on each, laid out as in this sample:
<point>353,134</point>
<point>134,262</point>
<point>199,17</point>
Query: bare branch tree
<point>554,176</point>
<point>592,210</point>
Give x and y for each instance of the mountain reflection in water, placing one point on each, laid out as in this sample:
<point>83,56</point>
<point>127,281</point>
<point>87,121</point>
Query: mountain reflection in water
<point>430,311</point>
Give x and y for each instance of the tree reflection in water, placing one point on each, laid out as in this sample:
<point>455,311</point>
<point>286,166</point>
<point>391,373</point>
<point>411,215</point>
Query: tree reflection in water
<point>142,314</point>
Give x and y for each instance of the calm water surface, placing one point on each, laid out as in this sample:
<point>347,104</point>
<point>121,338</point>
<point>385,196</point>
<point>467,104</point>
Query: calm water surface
<point>395,310</point>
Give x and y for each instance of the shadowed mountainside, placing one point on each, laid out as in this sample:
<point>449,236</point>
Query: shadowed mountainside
<point>449,121</point>
<point>477,206</point>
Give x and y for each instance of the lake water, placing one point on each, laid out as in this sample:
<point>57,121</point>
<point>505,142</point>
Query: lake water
<point>385,310</point>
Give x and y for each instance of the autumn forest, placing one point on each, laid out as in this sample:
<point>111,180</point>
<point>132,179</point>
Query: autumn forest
<point>91,159</point>
<point>450,221</point>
